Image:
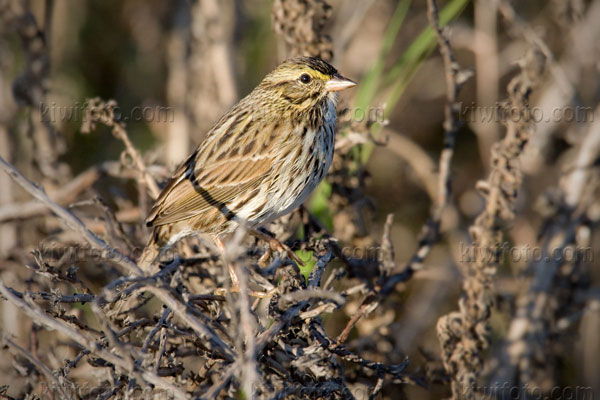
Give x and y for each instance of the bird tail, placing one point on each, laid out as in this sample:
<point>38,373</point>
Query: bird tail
<point>148,260</point>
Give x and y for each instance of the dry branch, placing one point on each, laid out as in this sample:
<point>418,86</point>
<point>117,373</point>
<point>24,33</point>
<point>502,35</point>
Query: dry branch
<point>70,267</point>
<point>71,220</point>
<point>41,317</point>
<point>388,279</point>
<point>550,296</point>
<point>464,334</point>
<point>65,195</point>
<point>104,112</point>
<point>297,311</point>
<point>299,24</point>
<point>61,385</point>
<point>128,266</point>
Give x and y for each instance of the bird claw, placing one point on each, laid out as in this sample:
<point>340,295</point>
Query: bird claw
<point>274,245</point>
<point>263,261</point>
<point>235,287</point>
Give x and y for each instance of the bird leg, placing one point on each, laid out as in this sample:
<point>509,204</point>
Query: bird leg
<point>274,245</point>
<point>235,281</point>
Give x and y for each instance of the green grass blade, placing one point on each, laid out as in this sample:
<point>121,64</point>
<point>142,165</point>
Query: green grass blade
<point>422,45</point>
<point>370,82</point>
<point>400,75</point>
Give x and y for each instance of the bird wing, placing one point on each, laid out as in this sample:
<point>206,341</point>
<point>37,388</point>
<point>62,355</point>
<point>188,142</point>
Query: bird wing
<point>213,176</point>
<point>188,197</point>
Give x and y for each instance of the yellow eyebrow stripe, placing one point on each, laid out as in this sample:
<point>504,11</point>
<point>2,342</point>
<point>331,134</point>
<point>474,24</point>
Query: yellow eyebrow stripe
<point>317,74</point>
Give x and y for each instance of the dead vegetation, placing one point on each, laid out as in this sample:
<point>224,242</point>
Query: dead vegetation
<point>434,305</point>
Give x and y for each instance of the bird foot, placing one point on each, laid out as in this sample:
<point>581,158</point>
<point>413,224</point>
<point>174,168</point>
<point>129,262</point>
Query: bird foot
<point>235,287</point>
<point>274,245</point>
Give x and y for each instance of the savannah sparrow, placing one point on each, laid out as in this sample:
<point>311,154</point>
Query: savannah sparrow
<point>260,161</point>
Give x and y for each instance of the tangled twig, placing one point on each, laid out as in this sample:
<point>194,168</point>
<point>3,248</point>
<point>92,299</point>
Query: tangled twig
<point>104,112</point>
<point>464,334</point>
<point>550,294</point>
<point>455,78</point>
<point>299,23</point>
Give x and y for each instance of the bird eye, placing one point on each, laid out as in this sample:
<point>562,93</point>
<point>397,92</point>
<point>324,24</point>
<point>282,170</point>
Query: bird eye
<point>305,78</point>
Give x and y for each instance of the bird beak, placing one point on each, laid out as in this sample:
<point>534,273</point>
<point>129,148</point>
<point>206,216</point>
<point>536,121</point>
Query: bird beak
<point>338,83</point>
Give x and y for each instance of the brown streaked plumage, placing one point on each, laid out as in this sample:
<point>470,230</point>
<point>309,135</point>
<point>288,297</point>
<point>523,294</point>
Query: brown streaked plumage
<point>260,161</point>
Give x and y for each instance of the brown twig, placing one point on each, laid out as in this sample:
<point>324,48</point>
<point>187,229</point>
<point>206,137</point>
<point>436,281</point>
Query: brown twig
<point>31,87</point>
<point>181,309</point>
<point>65,195</point>
<point>376,295</point>
<point>71,220</point>
<point>455,78</point>
<point>299,25</point>
<point>103,112</point>
<point>527,347</point>
<point>430,232</point>
<point>464,334</point>
<point>417,158</point>
<point>62,385</point>
<point>42,318</point>
<point>531,36</point>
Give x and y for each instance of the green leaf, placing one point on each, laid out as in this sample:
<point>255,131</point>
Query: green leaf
<point>319,204</point>
<point>309,262</point>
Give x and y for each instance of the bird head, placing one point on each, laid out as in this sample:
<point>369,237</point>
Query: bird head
<point>303,82</point>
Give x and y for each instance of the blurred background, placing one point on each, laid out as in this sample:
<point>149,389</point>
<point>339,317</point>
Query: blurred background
<point>175,67</point>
